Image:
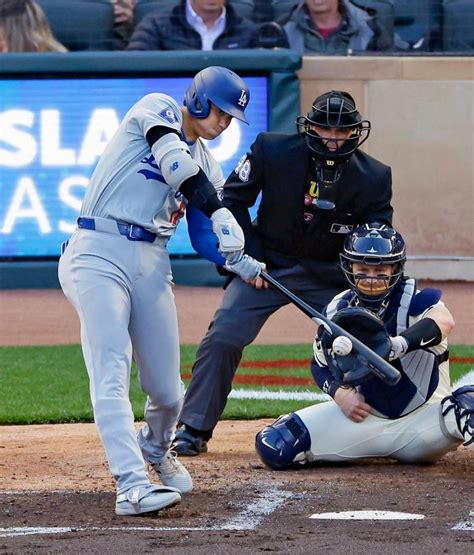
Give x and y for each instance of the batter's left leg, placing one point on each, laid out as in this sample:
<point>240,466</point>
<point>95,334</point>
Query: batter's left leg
<point>154,332</point>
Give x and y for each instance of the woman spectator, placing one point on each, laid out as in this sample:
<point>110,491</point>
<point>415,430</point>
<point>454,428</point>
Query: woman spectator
<point>24,28</point>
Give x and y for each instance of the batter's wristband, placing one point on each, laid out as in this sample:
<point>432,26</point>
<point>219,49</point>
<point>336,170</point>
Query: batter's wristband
<point>423,334</point>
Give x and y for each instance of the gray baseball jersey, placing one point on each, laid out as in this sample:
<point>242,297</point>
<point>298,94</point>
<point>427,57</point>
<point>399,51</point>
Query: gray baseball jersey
<point>128,186</point>
<point>122,289</point>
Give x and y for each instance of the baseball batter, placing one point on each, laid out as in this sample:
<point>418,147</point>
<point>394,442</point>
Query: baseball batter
<point>115,270</point>
<point>418,419</point>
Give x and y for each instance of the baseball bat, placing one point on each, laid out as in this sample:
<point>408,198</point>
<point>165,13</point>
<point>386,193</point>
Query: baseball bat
<point>379,366</point>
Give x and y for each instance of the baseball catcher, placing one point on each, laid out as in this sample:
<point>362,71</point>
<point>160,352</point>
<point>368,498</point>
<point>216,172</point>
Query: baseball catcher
<point>416,420</point>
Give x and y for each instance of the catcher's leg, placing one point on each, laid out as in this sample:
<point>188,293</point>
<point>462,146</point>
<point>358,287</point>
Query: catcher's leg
<point>415,438</point>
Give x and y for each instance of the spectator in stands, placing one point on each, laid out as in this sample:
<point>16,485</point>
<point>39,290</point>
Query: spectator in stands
<point>194,25</point>
<point>123,22</point>
<point>24,28</point>
<point>334,27</point>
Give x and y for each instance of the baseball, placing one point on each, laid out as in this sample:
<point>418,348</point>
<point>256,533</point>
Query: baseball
<point>342,346</point>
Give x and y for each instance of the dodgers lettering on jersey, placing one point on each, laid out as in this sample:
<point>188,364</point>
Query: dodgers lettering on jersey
<point>128,185</point>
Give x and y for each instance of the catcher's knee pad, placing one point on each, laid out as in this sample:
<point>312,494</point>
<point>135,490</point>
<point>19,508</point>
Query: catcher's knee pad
<point>461,401</point>
<point>278,444</point>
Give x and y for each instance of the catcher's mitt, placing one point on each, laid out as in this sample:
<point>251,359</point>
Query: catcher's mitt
<point>363,324</point>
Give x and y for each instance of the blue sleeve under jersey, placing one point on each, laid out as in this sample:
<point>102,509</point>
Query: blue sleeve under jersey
<point>203,239</point>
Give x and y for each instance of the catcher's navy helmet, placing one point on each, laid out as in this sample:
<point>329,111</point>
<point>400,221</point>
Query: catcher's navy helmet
<point>334,109</point>
<point>221,86</point>
<point>373,245</point>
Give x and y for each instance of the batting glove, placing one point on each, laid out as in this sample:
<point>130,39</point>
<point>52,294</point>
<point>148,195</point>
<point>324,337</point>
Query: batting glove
<point>229,234</point>
<point>399,347</point>
<point>247,267</point>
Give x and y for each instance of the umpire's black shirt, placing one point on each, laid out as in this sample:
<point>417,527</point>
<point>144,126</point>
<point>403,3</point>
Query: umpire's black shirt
<point>281,167</point>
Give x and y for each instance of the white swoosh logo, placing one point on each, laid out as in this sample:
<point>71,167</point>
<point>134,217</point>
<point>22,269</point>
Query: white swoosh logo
<point>264,441</point>
<point>423,342</point>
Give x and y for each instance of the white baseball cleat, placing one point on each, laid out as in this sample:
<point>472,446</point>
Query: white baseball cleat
<point>145,499</point>
<point>173,473</point>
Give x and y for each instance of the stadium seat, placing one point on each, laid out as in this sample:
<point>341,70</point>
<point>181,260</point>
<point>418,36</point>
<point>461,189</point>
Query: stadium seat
<point>144,7</point>
<point>418,23</point>
<point>81,24</point>
<point>458,26</point>
<point>382,11</point>
<point>244,8</point>
<point>282,10</point>
<point>262,11</point>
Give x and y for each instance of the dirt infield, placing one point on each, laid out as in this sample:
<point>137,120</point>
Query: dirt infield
<point>44,317</point>
<point>57,496</point>
<point>55,486</point>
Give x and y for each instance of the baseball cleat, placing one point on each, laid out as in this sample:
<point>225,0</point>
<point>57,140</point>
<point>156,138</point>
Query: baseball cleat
<point>145,499</point>
<point>188,444</point>
<point>172,473</point>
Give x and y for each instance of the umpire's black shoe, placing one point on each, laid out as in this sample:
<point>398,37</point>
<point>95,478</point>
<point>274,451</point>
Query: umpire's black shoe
<point>187,443</point>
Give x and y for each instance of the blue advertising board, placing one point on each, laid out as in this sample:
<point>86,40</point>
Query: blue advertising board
<point>52,133</point>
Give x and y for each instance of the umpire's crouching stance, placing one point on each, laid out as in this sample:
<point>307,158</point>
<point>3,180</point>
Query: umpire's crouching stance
<point>315,185</point>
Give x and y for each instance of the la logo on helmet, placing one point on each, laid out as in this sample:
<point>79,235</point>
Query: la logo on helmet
<point>243,98</point>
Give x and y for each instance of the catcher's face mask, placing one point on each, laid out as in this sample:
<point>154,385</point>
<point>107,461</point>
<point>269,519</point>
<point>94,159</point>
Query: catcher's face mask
<point>372,281</point>
<point>372,260</point>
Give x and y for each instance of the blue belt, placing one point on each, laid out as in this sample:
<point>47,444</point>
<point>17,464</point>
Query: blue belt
<point>131,231</point>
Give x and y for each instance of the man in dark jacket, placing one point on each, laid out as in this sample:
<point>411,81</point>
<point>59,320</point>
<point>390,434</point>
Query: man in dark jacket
<point>315,187</point>
<point>194,25</point>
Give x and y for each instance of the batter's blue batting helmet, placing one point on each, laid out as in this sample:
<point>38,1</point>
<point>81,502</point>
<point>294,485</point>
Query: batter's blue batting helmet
<point>221,86</point>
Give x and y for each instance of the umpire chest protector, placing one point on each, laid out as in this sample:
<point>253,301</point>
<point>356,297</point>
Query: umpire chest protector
<point>281,166</point>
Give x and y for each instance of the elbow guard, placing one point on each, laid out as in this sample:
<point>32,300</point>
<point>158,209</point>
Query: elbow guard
<point>201,193</point>
<point>174,159</point>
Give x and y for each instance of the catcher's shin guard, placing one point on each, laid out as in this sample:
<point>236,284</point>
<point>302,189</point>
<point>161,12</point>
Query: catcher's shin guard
<point>279,444</point>
<point>461,401</point>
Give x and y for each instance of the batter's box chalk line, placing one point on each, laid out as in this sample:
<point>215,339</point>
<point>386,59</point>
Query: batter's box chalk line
<point>248,518</point>
<point>467,525</point>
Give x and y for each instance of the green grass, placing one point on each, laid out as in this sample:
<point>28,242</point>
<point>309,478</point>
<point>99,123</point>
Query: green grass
<point>41,384</point>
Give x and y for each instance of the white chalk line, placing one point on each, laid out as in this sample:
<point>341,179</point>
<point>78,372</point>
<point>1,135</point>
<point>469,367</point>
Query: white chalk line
<point>249,518</point>
<point>367,515</point>
<point>281,395</point>
<point>467,379</point>
<point>286,395</point>
<point>467,525</point>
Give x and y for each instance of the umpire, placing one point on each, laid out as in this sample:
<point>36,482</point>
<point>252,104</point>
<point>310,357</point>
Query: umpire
<point>315,186</point>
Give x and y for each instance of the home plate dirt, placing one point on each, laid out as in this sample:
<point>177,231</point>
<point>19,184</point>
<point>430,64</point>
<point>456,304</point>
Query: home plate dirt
<point>56,496</point>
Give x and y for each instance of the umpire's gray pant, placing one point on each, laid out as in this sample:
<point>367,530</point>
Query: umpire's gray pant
<point>236,323</point>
